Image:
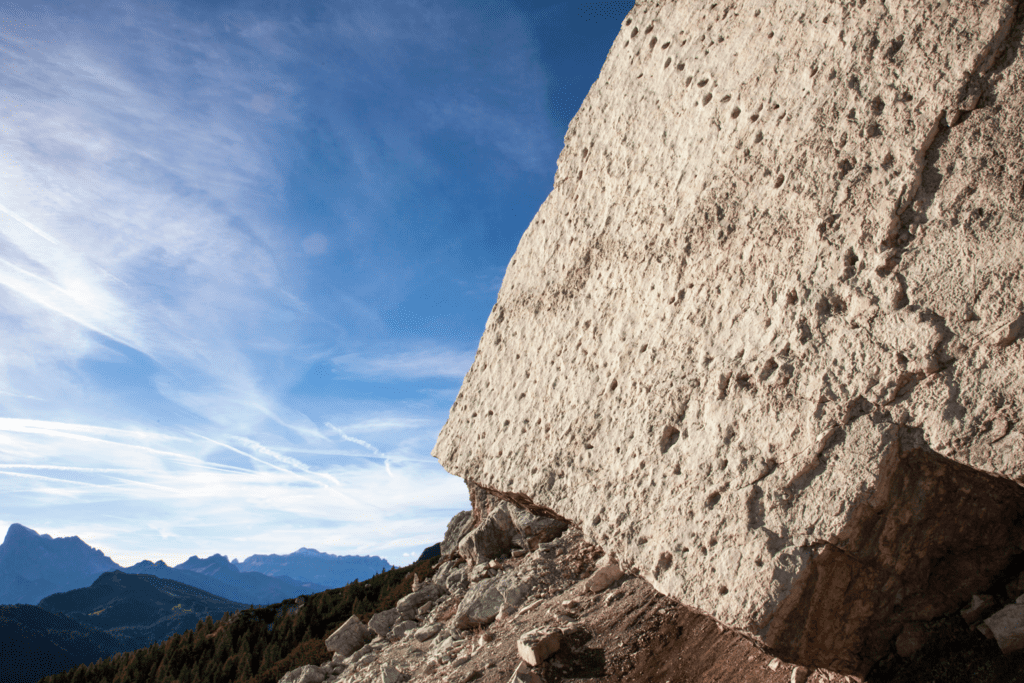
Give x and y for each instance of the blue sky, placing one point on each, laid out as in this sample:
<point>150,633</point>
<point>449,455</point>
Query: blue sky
<point>247,251</point>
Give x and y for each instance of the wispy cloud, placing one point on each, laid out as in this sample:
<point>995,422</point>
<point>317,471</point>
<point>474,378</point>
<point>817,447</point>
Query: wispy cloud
<point>418,364</point>
<point>199,204</point>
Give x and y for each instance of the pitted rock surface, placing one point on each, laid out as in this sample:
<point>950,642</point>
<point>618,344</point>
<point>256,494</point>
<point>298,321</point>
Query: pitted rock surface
<point>767,322</point>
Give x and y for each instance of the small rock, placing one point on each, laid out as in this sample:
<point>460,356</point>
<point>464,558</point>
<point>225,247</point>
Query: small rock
<point>976,609</point>
<point>1007,627</point>
<point>799,675</point>
<point>537,645</point>
<point>985,631</point>
<point>427,632</point>
<point>389,674</point>
<point>604,577</point>
<point>775,664</point>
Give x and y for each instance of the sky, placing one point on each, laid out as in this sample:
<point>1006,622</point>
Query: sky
<point>247,251</point>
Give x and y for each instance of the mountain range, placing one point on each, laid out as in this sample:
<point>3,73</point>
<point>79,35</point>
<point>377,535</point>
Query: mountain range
<point>306,564</point>
<point>138,609</point>
<point>33,566</point>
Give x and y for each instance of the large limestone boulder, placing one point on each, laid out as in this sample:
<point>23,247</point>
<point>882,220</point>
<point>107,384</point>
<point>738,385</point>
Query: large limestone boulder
<point>762,340</point>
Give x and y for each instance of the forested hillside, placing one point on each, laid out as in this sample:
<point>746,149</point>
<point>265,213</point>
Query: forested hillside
<point>255,645</point>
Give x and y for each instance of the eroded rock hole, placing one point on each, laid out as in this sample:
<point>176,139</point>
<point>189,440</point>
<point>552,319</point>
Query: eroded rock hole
<point>769,368</point>
<point>707,98</point>
<point>894,46</point>
<point>779,180</point>
<point>735,112</point>
<point>654,41</point>
<point>634,32</point>
<point>702,82</point>
<point>664,563</point>
<point>669,437</point>
<point>648,29</point>
<point>667,62</point>
<point>712,500</point>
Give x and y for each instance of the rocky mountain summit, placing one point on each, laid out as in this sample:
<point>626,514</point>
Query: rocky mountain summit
<point>34,565</point>
<point>761,342</point>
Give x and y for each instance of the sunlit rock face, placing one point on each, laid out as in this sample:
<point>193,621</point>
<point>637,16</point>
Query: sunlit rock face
<point>761,340</point>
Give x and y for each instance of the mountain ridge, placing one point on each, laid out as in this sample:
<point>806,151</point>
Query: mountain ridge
<point>34,566</point>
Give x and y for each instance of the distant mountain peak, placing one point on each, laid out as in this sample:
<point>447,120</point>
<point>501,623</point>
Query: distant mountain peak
<point>309,551</point>
<point>34,565</point>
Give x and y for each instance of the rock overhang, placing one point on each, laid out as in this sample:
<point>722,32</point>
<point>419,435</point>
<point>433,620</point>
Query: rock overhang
<point>778,272</point>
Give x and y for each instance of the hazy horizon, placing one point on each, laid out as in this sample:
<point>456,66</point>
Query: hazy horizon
<point>247,252</point>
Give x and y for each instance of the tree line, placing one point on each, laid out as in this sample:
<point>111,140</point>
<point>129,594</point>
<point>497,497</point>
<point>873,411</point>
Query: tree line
<point>255,645</point>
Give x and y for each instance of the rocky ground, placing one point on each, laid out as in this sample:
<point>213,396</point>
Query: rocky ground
<point>564,612</point>
<point>624,632</point>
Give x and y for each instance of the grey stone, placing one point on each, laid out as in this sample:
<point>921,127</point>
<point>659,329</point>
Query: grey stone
<point>428,592</point>
<point>482,603</point>
<point>391,674</point>
<point>458,527</point>
<point>348,637</point>
<point>457,581</point>
<point>427,632</point>
<point>1007,627</point>
<point>534,528</point>
<point>604,577</point>
<point>382,622</point>
<point>537,645</point>
<point>401,628</point>
<point>304,674</point>
<point>491,539</point>
<point>481,571</point>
